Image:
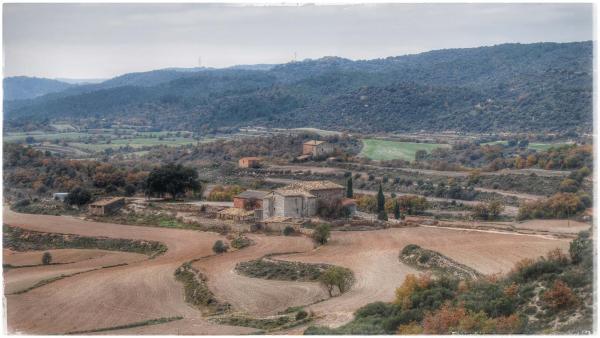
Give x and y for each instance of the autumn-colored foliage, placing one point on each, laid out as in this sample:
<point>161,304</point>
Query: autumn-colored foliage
<point>411,328</point>
<point>560,296</point>
<point>562,204</point>
<point>224,193</point>
<point>558,256</point>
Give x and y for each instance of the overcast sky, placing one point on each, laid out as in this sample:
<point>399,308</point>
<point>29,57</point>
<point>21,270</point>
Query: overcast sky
<point>104,40</point>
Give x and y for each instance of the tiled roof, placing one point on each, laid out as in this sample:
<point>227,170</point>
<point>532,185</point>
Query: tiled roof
<point>293,192</point>
<point>256,194</point>
<point>250,158</point>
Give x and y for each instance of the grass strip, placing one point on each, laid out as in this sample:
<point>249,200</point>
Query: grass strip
<point>269,268</point>
<point>19,239</point>
<point>425,259</point>
<point>128,326</point>
<point>196,290</point>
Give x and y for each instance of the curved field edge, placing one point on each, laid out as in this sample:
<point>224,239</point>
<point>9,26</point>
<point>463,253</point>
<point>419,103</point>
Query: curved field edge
<point>269,268</point>
<point>196,291</point>
<point>128,326</point>
<point>424,259</point>
<point>19,239</point>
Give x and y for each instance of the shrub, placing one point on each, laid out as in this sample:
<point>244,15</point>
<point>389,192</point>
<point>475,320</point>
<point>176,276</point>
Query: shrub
<point>301,315</point>
<point>559,205</point>
<point>220,247</point>
<point>366,203</point>
<point>288,231</point>
<point>488,211</point>
<point>78,196</point>
<point>46,258</point>
<point>568,185</point>
<point>321,234</point>
<point>560,296</point>
<point>221,194</point>
<point>129,190</point>
<point>581,248</point>
<point>240,242</point>
<point>382,216</point>
<point>412,205</point>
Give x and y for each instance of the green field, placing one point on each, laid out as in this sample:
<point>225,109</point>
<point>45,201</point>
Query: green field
<point>382,150</point>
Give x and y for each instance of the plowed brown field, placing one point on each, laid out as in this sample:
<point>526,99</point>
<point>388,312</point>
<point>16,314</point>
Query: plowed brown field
<point>147,289</point>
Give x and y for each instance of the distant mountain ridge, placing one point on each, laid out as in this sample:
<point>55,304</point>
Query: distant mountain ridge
<point>509,87</point>
<point>23,87</point>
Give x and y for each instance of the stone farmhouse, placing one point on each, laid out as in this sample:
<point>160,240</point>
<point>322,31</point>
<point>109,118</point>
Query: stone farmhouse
<point>300,200</point>
<point>317,149</point>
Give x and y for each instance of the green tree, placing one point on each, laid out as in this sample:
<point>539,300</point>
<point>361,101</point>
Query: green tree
<point>397,210</point>
<point>172,179</point>
<point>349,192</point>
<point>420,155</point>
<point>321,234</point>
<point>78,196</point>
<point>337,276</point>
<point>220,247</point>
<point>46,258</point>
<point>288,231</point>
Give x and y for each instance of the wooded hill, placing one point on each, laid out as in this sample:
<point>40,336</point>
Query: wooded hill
<point>509,87</point>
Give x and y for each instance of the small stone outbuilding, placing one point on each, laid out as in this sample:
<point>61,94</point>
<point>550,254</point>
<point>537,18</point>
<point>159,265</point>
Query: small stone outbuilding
<point>107,206</point>
<point>249,199</point>
<point>249,162</point>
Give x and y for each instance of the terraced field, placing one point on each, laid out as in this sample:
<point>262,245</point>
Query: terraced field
<point>145,290</point>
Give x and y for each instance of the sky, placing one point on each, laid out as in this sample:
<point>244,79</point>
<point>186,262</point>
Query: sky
<point>91,41</point>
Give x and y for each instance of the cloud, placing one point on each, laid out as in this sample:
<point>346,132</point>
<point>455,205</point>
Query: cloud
<point>103,40</point>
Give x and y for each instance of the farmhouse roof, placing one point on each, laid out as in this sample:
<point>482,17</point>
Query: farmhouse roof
<point>250,194</point>
<point>293,192</point>
<point>250,158</point>
<point>313,143</point>
<point>313,185</point>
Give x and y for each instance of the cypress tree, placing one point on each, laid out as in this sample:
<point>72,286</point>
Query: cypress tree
<point>349,192</point>
<point>396,210</point>
<point>380,200</point>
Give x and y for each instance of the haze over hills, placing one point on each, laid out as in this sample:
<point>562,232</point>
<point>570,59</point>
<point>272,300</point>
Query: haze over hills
<point>509,87</point>
<point>23,87</point>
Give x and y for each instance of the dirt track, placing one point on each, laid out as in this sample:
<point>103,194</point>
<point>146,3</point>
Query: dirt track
<point>147,290</point>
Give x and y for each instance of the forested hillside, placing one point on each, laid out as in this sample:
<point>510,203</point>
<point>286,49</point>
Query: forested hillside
<point>23,87</point>
<point>510,87</point>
